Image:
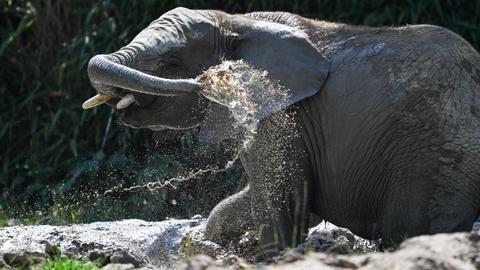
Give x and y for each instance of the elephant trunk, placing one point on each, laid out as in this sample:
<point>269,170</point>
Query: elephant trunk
<point>102,71</point>
<point>104,74</point>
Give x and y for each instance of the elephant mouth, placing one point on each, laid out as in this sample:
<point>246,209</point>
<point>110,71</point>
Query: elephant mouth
<point>129,106</point>
<point>129,111</point>
<point>128,117</point>
<point>145,115</point>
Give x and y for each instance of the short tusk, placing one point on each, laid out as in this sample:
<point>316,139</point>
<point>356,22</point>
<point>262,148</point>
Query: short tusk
<point>98,99</point>
<point>126,101</point>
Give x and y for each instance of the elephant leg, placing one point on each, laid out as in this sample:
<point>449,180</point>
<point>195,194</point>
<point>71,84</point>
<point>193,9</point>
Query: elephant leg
<point>278,170</point>
<point>229,218</point>
<point>451,220</point>
<point>445,197</point>
<point>456,203</point>
<point>279,215</point>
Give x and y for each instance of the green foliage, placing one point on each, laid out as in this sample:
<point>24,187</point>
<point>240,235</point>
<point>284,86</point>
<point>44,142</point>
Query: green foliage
<point>392,246</point>
<point>54,261</point>
<point>56,158</point>
<point>61,263</point>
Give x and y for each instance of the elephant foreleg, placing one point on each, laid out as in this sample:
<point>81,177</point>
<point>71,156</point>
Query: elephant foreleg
<point>280,214</point>
<point>229,218</point>
<point>277,166</point>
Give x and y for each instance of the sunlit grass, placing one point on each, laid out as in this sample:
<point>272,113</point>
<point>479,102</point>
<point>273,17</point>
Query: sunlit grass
<point>67,264</point>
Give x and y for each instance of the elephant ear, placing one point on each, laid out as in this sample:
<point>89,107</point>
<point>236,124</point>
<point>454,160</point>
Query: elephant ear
<point>285,53</point>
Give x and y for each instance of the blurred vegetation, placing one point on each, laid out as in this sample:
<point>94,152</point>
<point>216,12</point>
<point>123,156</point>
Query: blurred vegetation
<point>55,157</point>
<point>67,264</point>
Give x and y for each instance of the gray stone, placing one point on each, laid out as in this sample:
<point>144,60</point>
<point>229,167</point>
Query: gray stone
<point>123,257</point>
<point>23,260</point>
<point>157,243</point>
<point>327,237</point>
<point>456,251</point>
<point>164,245</point>
<point>102,257</point>
<point>442,251</point>
<point>51,250</point>
<point>203,262</point>
<point>194,244</point>
<point>118,266</point>
<point>234,261</point>
<point>291,256</point>
<point>199,262</point>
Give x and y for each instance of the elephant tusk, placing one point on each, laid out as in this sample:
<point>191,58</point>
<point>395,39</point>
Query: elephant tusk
<point>126,101</point>
<point>96,100</point>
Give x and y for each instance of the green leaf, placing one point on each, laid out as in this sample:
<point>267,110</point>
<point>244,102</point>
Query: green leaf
<point>24,24</point>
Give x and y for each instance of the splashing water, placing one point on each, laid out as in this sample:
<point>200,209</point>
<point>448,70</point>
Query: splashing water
<point>247,93</point>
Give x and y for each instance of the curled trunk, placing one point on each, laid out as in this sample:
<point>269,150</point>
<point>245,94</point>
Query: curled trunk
<point>104,71</point>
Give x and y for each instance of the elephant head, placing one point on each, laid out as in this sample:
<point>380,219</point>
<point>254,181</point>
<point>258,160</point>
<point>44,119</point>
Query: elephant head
<point>156,71</point>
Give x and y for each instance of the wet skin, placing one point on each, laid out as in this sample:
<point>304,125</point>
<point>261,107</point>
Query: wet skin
<point>383,123</point>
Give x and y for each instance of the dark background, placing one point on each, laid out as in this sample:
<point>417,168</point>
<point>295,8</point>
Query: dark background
<point>55,157</point>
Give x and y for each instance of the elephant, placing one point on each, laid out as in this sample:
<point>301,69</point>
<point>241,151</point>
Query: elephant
<point>382,130</point>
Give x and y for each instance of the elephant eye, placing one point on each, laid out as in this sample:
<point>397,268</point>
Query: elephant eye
<point>170,62</point>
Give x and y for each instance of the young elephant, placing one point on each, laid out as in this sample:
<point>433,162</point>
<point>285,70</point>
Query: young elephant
<point>382,129</point>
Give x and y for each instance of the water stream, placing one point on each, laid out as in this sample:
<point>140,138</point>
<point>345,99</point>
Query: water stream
<point>247,93</point>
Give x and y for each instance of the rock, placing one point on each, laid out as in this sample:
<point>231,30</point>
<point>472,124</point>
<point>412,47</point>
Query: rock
<point>118,266</point>
<point>194,244</point>
<point>441,251</point>
<point>127,241</point>
<point>235,262</point>
<point>327,237</point>
<point>456,251</point>
<point>338,261</point>
<point>135,243</point>
<point>203,262</point>
<point>309,262</point>
<point>247,246</point>
<point>123,257</point>
<point>102,257</point>
<point>24,260</point>
<point>199,262</point>
<point>291,256</point>
<point>51,250</point>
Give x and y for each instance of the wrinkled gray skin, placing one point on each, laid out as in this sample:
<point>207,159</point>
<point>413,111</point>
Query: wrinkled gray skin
<point>386,137</point>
